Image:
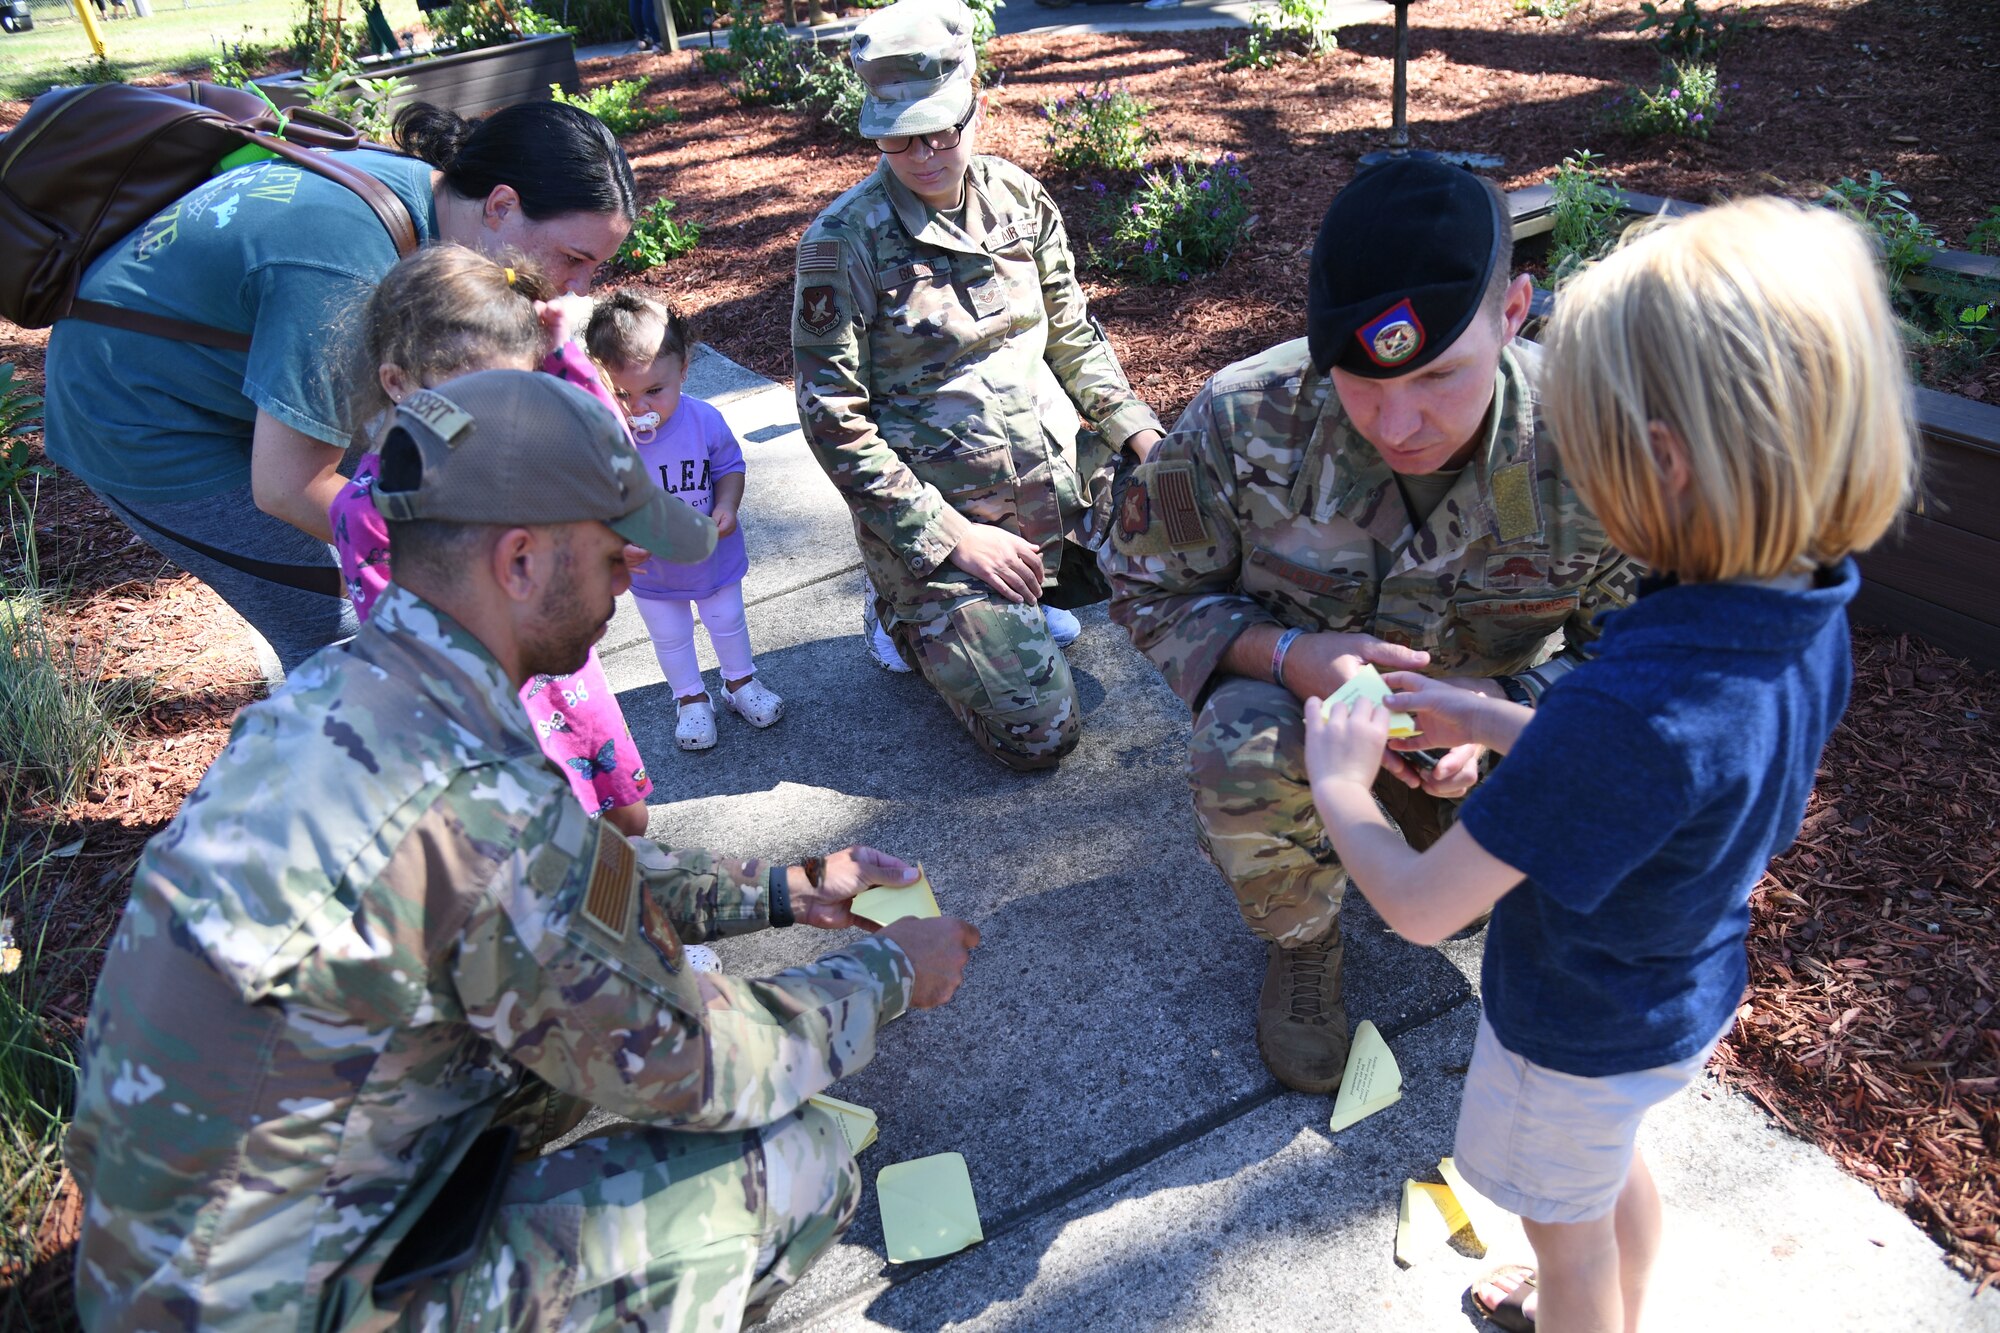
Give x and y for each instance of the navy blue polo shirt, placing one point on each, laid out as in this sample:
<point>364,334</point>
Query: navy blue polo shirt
<point>1643,803</point>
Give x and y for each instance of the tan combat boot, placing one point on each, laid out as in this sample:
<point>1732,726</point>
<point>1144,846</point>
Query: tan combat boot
<point>1301,1017</point>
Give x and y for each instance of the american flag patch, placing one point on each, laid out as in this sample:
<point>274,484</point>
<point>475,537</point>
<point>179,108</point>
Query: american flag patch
<point>819,257</point>
<point>1173,490</point>
<point>607,901</point>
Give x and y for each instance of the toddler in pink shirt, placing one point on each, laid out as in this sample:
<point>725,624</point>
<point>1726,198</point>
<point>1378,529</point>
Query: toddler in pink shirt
<point>448,311</point>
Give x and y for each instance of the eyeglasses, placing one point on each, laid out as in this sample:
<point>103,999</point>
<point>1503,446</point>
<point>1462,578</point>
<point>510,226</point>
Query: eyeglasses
<point>943,141</point>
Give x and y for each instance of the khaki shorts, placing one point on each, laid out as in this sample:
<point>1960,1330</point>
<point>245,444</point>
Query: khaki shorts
<point>1555,1147</point>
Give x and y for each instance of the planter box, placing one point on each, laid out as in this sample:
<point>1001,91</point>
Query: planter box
<point>468,82</point>
<point>1939,576</point>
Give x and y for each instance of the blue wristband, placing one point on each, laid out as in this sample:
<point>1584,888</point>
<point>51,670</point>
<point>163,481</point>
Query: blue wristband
<point>1278,651</point>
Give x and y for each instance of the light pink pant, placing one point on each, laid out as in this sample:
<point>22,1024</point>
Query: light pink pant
<point>670,622</point>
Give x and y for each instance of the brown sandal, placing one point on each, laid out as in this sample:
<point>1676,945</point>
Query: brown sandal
<point>1507,1313</point>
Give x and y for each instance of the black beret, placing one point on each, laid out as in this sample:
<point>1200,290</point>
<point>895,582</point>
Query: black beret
<point>1402,260</point>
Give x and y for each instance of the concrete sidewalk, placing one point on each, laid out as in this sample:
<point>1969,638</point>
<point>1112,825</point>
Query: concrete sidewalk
<point>1078,16</point>
<point>1135,1165</point>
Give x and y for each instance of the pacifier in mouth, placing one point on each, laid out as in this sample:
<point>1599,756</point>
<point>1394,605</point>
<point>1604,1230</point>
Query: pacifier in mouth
<point>646,421</point>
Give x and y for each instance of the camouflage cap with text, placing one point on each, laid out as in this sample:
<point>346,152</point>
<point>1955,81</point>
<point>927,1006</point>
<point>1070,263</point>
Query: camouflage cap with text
<point>917,59</point>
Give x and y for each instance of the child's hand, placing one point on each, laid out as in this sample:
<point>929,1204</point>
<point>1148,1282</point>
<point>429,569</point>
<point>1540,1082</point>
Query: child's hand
<point>725,521</point>
<point>1345,745</point>
<point>1447,715</point>
<point>563,316</point>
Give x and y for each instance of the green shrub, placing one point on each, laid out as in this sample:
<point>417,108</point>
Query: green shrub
<point>1097,129</point>
<point>767,65</point>
<point>617,105</point>
<point>1549,9</point>
<point>1689,34</point>
<point>1588,215</point>
<point>320,42</point>
<point>1180,220</point>
<point>469,25</point>
<point>830,88</point>
<point>656,237</point>
<point>1984,238</point>
<point>1951,320</point>
<point>20,417</point>
<point>1288,28</point>
<point>367,104</point>
<point>1686,103</point>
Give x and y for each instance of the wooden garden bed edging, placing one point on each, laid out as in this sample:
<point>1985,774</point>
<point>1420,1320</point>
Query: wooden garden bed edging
<point>1939,575</point>
<point>471,83</point>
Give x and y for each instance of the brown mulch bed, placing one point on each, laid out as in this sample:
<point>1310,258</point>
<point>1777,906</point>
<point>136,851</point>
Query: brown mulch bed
<point>1870,1026</point>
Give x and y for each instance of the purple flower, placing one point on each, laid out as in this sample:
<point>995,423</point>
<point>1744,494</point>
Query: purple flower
<point>1097,187</point>
<point>1136,210</point>
<point>1674,93</point>
<point>1206,185</point>
<point>1152,246</point>
<point>1695,117</point>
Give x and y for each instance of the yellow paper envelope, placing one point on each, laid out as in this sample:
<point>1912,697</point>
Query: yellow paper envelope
<point>857,1123</point>
<point>884,905</point>
<point>1368,684</point>
<point>1484,1214</point>
<point>927,1208</point>
<point>1371,1081</point>
<point>1420,1226</point>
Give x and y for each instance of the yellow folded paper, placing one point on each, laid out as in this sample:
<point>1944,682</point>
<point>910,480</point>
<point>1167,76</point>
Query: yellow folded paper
<point>1368,684</point>
<point>1371,1081</point>
<point>856,1122</point>
<point>927,1208</point>
<point>1484,1214</point>
<point>1420,1227</point>
<point>884,905</point>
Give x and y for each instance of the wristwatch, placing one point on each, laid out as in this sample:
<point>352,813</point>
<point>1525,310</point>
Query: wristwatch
<point>781,897</point>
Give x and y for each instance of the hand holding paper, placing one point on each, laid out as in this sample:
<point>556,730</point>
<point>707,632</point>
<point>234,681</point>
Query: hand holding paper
<point>889,903</point>
<point>1367,683</point>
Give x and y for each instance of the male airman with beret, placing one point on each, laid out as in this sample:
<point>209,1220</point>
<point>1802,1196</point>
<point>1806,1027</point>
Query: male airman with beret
<point>1378,491</point>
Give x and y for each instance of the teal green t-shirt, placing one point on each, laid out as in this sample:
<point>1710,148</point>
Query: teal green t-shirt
<point>268,249</point>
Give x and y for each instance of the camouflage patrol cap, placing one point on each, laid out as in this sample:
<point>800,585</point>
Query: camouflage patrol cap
<point>1401,265</point>
<point>519,447</point>
<point>917,60</point>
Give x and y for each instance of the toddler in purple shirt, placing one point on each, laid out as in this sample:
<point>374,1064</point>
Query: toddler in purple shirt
<point>643,346</point>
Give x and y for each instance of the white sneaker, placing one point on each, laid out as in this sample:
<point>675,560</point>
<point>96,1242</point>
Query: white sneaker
<point>755,703</point>
<point>701,958</point>
<point>695,729</point>
<point>1063,627</point>
<point>882,649</point>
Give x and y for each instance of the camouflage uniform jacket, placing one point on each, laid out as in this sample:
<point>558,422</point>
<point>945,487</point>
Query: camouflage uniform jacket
<point>941,369</point>
<point>1266,507</point>
<point>380,906</point>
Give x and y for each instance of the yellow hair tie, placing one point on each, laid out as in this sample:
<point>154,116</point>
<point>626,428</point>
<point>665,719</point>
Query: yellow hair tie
<point>510,277</point>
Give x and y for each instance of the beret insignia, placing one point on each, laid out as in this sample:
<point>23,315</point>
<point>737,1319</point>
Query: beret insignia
<point>1394,336</point>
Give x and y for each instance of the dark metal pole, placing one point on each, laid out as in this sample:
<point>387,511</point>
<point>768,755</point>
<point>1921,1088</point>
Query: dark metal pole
<point>1399,132</point>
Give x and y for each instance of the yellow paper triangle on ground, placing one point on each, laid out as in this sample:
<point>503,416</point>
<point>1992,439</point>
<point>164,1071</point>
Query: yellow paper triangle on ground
<point>1428,1219</point>
<point>857,1123</point>
<point>927,1208</point>
<point>1368,684</point>
<point>1484,1214</point>
<point>1371,1081</point>
<point>884,905</point>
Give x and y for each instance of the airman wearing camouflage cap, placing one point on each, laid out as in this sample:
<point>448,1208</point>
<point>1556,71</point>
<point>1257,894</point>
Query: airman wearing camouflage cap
<point>943,354</point>
<point>1378,491</point>
<point>382,957</point>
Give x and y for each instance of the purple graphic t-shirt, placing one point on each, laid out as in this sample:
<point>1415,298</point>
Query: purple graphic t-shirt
<point>576,717</point>
<point>687,454</point>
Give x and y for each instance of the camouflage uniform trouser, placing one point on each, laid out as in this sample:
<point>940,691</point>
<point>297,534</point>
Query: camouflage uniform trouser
<point>653,1231</point>
<point>995,666</point>
<point>1253,807</point>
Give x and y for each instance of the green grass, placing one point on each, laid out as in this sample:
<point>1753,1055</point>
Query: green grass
<point>180,35</point>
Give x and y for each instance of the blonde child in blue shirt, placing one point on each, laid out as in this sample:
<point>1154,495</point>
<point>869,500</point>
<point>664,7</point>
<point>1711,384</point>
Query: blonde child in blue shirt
<point>1728,394</point>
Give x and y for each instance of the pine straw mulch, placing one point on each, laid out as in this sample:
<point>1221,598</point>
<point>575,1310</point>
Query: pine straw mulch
<point>1870,1027</point>
<point>1865,1030</point>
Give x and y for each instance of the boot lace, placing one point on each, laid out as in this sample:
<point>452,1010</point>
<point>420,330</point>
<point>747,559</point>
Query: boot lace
<point>1305,975</point>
